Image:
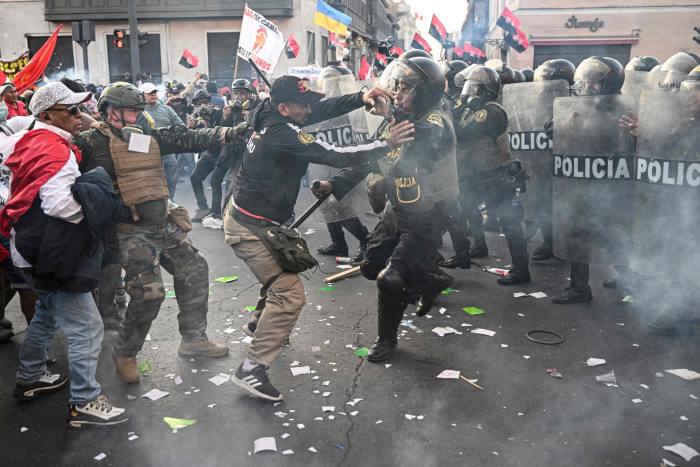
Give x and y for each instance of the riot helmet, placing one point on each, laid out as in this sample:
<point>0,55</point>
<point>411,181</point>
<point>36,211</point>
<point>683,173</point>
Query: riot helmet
<point>557,68</point>
<point>528,74</point>
<point>120,95</point>
<point>642,63</point>
<point>450,69</point>
<point>241,84</point>
<point>676,68</point>
<point>385,78</point>
<point>461,77</point>
<point>519,76</point>
<point>412,53</point>
<point>691,87</point>
<point>482,83</point>
<point>598,76</point>
<point>505,73</point>
<point>424,82</point>
<point>241,91</point>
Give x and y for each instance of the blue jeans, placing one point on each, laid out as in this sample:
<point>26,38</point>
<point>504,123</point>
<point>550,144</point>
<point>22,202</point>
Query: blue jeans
<point>170,166</point>
<point>77,316</point>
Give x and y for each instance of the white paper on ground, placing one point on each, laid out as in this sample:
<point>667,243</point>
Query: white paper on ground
<point>100,456</point>
<point>328,408</point>
<point>300,370</point>
<point>519,294</point>
<point>220,379</point>
<point>287,452</point>
<point>668,463</point>
<point>686,374</point>
<point>683,450</point>
<point>264,444</point>
<point>637,401</point>
<point>139,143</point>
<point>538,295</point>
<point>312,449</point>
<point>440,331</point>
<point>155,394</point>
<point>595,361</point>
<point>442,310</point>
<point>409,416</point>
<point>607,378</point>
<point>484,332</point>
<point>247,340</point>
<point>178,380</point>
<point>132,437</point>
<point>449,374</point>
<point>285,435</point>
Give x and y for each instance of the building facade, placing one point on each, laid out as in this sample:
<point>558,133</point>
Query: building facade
<point>209,29</point>
<point>575,30</point>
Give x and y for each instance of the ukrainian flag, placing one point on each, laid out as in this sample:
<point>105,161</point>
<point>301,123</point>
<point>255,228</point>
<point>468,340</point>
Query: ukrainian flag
<point>331,19</point>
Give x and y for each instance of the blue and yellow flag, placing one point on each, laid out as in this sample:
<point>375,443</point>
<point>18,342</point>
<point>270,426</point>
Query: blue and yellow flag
<point>331,19</point>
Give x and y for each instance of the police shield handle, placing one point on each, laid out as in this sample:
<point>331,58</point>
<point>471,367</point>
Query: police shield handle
<point>321,189</point>
<point>400,133</point>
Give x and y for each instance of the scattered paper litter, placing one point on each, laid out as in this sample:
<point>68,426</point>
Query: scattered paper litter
<point>484,332</point>
<point>312,449</point>
<point>285,435</point>
<point>362,352</point>
<point>607,378</point>
<point>538,295</point>
<point>683,450</point>
<point>300,370</point>
<point>519,294</point>
<point>100,456</point>
<point>220,379</point>
<point>354,401</point>
<point>280,414</point>
<point>378,422</point>
<point>443,331</point>
<point>409,416</point>
<point>133,437</point>
<point>178,380</point>
<point>344,266</point>
<point>473,311</point>
<point>328,408</point>
<point>226,279</point>
<point>595,361</point>
<point>309,231</point>
<point>442,310</point>
<point>264,444</point>
<point>287,452</point>
<point>637,401</point>
<point>668,463</point>
<point>315,349</point>
<point>449,374</point>
<point>684,418</point>
<point>326,394</point>
<point>211,406</point>
<point>686,374</point>
<point>23,429</point>
<point>247,340</point>
<point>693,396</point>
<point>301,426</point>
<point>155,394</point>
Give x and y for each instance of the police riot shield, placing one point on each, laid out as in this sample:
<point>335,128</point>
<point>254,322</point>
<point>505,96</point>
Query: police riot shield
<point>636,82</point>
<point>529,107</point>
<point>667,188</point>
<point>345,130</point>
<point>592,186</point>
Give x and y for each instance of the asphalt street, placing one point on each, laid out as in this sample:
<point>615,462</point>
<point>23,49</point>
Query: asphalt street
<point>398,414</point>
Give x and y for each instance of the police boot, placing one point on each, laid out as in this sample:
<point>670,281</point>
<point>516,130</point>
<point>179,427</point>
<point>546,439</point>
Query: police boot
<point>338,246</point>
<point>360,232</point>
<point>514,277</point>
<point>127,369</point>
<point>390,308</point>
<point>572,295</point>
<point>479,248</point>
<point>435,283</point>
<point>202,347</point>
<point>462,261</point>
<point>543,252</point>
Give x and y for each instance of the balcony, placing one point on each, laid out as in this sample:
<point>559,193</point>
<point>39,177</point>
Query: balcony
<point>72,10</point>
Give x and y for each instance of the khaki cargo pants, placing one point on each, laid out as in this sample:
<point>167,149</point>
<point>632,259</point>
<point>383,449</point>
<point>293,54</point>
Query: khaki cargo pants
<point>285,295</point>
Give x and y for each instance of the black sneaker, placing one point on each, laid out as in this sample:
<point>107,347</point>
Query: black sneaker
<point>99,412</point>
<point>47,384</point>
<point>249,328</point>
<point>256,382</point>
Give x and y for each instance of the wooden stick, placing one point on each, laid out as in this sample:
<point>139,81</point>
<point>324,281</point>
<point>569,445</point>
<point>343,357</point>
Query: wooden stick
<point>473,384</point>
<point>342,275</point>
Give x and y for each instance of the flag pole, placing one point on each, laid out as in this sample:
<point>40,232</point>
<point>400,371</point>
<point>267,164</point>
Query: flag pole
<point>235,68</point>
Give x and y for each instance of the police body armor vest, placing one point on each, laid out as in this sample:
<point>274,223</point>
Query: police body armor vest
<point>140,176</point>
<point>419,191</point>
<point>480,152</point>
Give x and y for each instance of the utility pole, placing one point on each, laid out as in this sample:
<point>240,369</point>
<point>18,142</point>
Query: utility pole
<point>134,40</point>
<point>83,34</point>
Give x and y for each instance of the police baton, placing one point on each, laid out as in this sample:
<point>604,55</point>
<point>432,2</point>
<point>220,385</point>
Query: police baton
<point>310,210</point>
<point>259,72</point>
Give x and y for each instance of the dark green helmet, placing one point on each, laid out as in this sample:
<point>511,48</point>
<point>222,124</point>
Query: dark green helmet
<point>120,95</point>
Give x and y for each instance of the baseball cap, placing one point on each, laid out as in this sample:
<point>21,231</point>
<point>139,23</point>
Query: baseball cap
<point>292,89</point>
<point>148,88</point>
<point>55,93</point>
<point>6,85</point>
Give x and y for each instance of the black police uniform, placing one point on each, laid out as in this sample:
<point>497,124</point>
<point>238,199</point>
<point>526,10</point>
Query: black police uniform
<point>487,175</point>
<point>407,237</point>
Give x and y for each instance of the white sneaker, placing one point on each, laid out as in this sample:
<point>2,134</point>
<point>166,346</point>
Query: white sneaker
<point>99,412</point>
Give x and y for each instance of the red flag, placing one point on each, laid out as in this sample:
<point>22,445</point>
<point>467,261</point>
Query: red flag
<point>34,70</point>
<point>437,30</point>
<point>292,48</point>
<point>364,69</point>
<point>420,43</point>
<point>396,50</point>
<point>518,41</point>
<point>188,60</point>
<point>381,58</point>
<point>3,77</point>
<point>508,21</point>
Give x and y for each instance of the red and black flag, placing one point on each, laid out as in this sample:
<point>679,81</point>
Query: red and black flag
<point>437,30</point>
<point>420,43</point>
<point>518,41</point>
<point>457,53</point>
<point>508,21</point>
<point>396,50</point>
<point>473,54</point>
<point>188,60</point>
<point>292,47</point>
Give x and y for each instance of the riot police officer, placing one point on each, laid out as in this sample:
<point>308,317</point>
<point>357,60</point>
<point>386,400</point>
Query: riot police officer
<point>450,69</point>
<point>419,179</point>
<point>487,173</point>
<point>587,224</point>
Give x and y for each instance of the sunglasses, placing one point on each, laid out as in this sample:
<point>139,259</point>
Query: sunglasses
<point>72,110</point>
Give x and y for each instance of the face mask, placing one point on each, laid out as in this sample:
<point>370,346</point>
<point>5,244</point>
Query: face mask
<point>475,102</point>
